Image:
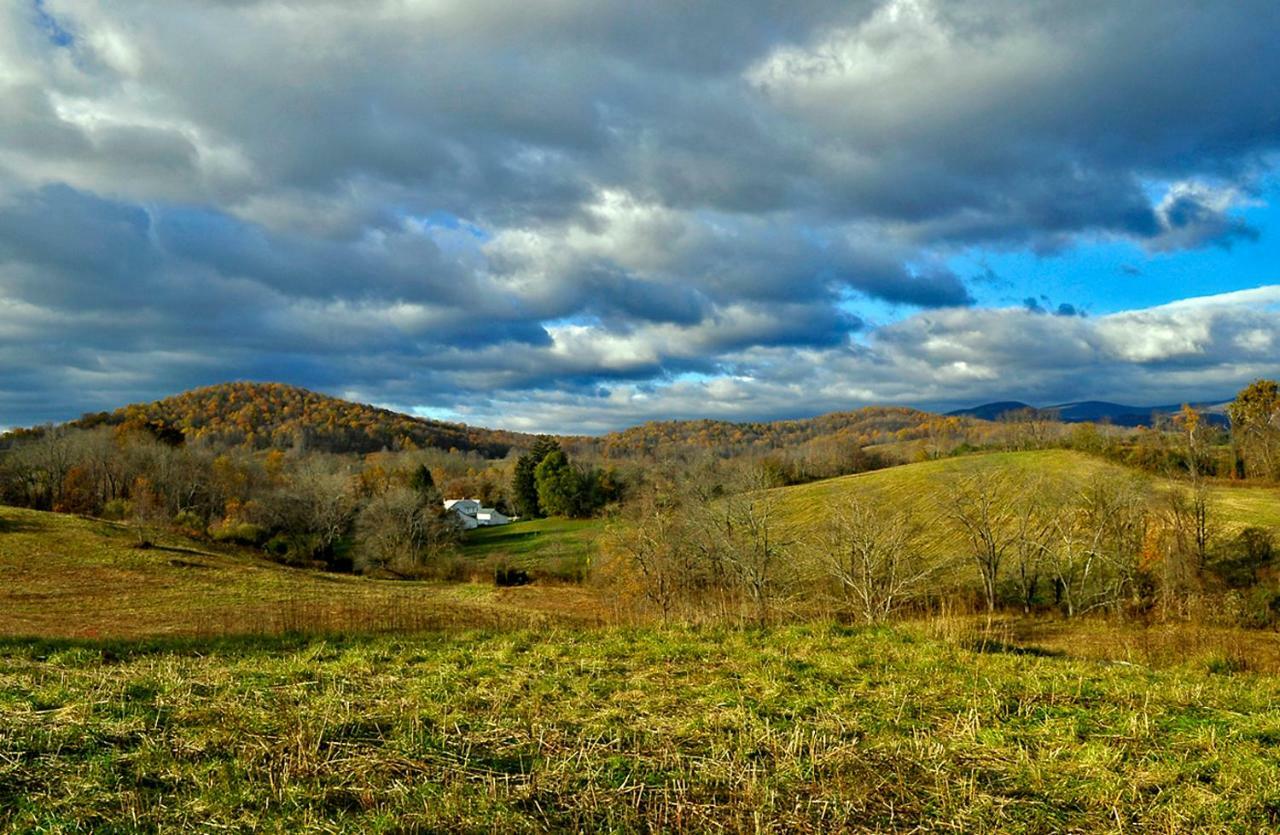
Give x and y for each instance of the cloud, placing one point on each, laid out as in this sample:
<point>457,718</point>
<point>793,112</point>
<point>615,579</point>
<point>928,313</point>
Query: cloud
<point>1194,215</point>
<point>478,205</point>
<point>978,120</point>
<point>1210,346</point>
<point>1042,306</point>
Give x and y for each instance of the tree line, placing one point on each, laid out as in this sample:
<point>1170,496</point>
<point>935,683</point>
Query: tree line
<point>994,539</point>
<point>380,513</point>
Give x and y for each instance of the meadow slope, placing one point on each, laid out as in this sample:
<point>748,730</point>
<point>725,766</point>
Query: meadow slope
<point>919,487</point>
<point>66,576</point>
<point>161,694</point>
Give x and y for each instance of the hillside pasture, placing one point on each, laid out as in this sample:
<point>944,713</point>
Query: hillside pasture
<point>66,576</point>
<point>921,488</point>
<point>551,548</point>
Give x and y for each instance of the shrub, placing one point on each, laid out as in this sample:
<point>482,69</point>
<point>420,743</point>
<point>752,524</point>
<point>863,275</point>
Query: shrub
<point>190,523</point>
<point>506,575</point>
<point>239,533</point>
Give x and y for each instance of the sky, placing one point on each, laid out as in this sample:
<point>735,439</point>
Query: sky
<point>572,216</point>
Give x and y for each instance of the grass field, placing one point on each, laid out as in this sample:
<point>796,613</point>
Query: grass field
<point>557,548</point>
<point>795,729</point>
<point>64,576</point>
<point>179,688</point>
<point>916,486</point>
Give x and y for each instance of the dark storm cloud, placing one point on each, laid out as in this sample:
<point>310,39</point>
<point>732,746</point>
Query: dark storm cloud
<point>433,202</point>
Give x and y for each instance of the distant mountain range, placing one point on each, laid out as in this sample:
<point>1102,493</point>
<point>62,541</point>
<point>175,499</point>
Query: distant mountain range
<point>1096,411</point>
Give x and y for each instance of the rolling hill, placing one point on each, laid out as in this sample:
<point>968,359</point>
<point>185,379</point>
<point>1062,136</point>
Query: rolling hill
<point>280,416</point>
<point>71,577</point>
<point>862,427</point>
<point>914,486</point>
<point>275,415</point>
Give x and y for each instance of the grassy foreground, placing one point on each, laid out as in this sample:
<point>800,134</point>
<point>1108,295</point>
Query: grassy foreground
<point>805,728</point>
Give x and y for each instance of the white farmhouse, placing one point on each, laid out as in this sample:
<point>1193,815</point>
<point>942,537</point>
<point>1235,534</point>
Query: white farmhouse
<point>472,514</point>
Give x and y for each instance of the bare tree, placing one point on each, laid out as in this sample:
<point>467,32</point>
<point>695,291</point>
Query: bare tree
<point>873,552</point>
<point>746,534</point>
<point>1033,520</point>
<point>1029,428</point>
<point>980,506</point>
<point>39,466</point>
<point>1098,538</point>
<point>328,501</point>
<point>397,533</point>
<point>147,512</point>
<point>654,538</point>
<point>1122,506</point>
<point>1193,522</point>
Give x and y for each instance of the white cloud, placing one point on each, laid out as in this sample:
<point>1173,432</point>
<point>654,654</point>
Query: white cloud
<point>1199,347</point>
<point>530,209</point>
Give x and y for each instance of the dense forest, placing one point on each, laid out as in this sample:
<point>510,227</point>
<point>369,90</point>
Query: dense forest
<point>278,416</point>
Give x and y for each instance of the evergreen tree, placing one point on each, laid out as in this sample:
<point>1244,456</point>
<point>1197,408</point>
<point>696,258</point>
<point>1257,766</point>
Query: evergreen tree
<point>424,484</point>
<point>559,485</point>
<point>524,486</point>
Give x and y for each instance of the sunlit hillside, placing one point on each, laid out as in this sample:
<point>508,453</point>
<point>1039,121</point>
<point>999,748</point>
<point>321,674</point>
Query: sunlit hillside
<point>65,576</point>
<point>922,487</point>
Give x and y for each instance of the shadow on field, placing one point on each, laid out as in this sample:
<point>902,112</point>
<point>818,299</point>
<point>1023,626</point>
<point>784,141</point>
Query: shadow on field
<point>111,650</point>
<point>508,538</point>
<point>991,646</point>
<point>18,526</point>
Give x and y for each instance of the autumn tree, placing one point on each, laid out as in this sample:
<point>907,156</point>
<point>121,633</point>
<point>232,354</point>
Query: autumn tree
<point>1190,424</point>
<point>1255,428</point>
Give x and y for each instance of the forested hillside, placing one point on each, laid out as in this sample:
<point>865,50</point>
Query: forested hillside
<point>279,416</point>
<point>274,415</point>
<point>871,425</point>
